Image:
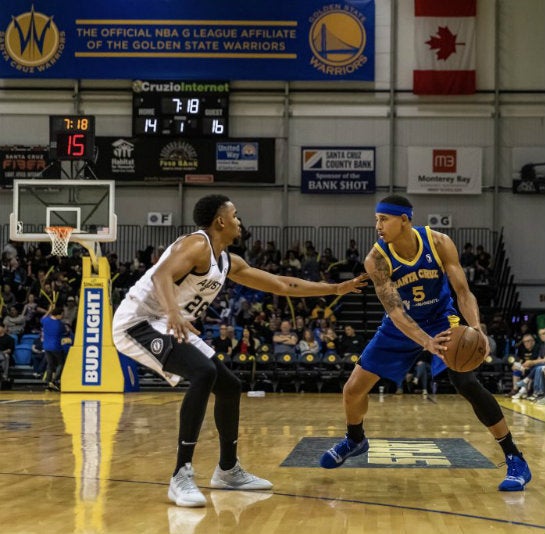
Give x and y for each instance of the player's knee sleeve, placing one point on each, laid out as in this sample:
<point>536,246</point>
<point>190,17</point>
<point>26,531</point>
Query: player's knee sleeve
<point>484,404</point>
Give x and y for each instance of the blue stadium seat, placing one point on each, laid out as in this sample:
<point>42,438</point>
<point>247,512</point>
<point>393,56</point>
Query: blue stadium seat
<point>28,339</point>
<point>22,355</point>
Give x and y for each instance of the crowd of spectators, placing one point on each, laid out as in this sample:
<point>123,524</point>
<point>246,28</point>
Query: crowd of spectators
<point>33,282</point>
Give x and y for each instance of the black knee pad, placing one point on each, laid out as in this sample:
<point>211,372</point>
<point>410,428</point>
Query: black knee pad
<point>484,404</point>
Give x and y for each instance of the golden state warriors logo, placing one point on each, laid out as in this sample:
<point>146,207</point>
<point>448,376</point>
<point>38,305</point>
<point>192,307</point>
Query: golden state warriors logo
<point>337,39</point>
<point>32,42</point>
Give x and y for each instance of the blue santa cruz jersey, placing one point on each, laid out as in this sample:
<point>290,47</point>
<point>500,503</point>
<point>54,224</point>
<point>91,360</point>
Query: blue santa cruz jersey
<point>421,281</point>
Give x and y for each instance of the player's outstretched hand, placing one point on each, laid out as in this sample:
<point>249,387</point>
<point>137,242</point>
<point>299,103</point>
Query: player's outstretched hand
<point>352,286</point>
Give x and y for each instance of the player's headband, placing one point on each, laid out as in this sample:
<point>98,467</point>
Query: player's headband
<point>394,209</point>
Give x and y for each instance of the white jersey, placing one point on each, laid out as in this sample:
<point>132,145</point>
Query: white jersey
<point>194,293</point>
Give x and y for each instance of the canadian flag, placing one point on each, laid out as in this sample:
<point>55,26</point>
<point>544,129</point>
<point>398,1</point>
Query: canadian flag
<point>445,47</point>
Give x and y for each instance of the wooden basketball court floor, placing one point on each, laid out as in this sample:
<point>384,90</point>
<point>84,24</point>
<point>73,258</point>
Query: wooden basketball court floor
<point>101,464</point>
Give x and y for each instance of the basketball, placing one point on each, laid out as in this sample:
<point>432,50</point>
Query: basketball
<point>465,350</point>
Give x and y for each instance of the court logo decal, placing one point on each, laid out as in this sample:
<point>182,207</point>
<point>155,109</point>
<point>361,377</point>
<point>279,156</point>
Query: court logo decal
<point>428,453</point>
<point>337,39</point>
<point>32,42</point>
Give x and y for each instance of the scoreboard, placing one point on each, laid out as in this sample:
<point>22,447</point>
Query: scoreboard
<point>182,109</point>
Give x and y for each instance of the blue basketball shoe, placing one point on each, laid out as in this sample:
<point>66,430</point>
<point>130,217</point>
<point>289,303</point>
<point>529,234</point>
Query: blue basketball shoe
<point>518,474</point>
<point>338,454</point>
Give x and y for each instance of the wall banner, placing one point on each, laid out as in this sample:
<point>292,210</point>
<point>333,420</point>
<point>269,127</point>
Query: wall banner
<point>529,170</point>
<point>154,159</point>
<point>338,170</point>
<point>206,40</point>
<point>25,162</point>
<point>445,171</point>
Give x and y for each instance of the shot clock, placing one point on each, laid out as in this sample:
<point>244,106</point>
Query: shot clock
<point>183,109</point>
<point>71,137</point>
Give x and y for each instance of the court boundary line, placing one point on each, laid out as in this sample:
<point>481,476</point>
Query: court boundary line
<point>309,497</point>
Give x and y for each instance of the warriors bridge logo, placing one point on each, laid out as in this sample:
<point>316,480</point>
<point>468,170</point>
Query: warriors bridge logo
<point>337,40</point>
<point>32,42</point>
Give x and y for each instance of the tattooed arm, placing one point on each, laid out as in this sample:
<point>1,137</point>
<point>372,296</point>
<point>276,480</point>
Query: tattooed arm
<point>244,274</point>
<point>379,272</point>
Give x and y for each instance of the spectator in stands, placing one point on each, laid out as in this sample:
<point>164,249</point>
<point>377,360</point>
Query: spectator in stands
<point>482,265</point>
<point>328,265</point>
<point>8,297</point>
<point>300,327</point>
<point>351,342</point>
<point>222,343</point>
<point>7,348</point>
<point>9,251</point>
<point>45,299</point>
<point>231,335</point>
<point>16,277</point>
<point>467,261</point>
<point>285,339</point>
<point>310,268</point>
<point>247,344</point>
<point>53,332</point>
<point>308,344</point>
<point>290,266</point>
<point>352,258</point>
<point>271,258</point>
<point>528,353</point>
<point>323,311</point>
<point>29,309</point>
<point>255,254</point>
<point>39,361</point>
<point>244,317</point>
<point>329,341</point>
<point>418,377</point>
<point>14,322</point>
<point>213,314</point>
<point>531,366</point>
<point>70,312</point>
<point>260,328</point>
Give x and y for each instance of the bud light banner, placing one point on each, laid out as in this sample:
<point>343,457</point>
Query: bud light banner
<point>206,40</point>
<point>338,170</point>
<point>445,171</point>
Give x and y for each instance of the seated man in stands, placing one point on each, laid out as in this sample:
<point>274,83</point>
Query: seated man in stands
<point>285,340</point>
<point>351,342</point>
<point>222,343</point>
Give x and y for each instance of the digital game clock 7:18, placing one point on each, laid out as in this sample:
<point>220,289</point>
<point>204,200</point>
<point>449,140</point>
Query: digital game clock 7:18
<point>71,137</point>
<point>182,109</point>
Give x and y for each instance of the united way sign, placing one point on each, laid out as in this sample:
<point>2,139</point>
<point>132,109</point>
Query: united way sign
<point>206,40</point>
<point>338,170</point>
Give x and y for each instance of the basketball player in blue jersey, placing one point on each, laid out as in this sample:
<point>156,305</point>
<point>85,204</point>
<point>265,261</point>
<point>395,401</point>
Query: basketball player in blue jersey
<point>153,326</point>
<point>411,268</point>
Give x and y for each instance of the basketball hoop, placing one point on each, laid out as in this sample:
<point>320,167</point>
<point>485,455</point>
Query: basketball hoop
<point>60,237</point>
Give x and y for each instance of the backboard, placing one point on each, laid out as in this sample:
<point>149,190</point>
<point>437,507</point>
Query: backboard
<point>86,205</point>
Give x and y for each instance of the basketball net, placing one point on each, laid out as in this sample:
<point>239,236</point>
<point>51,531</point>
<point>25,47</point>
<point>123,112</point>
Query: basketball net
<point>60,237</point>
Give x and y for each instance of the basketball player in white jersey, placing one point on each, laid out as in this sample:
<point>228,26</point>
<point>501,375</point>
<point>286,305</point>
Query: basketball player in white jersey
<point>153,326</point>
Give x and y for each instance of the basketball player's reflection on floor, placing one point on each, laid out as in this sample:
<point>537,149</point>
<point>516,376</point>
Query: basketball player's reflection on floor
<point>228,507</point>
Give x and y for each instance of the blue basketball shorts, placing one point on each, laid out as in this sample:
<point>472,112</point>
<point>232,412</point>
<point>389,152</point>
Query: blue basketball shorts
<point>390,354</point>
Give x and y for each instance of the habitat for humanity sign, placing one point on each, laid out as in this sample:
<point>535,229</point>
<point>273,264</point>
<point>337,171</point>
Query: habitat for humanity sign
<point>455,171</point>
<point>345,170</point>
